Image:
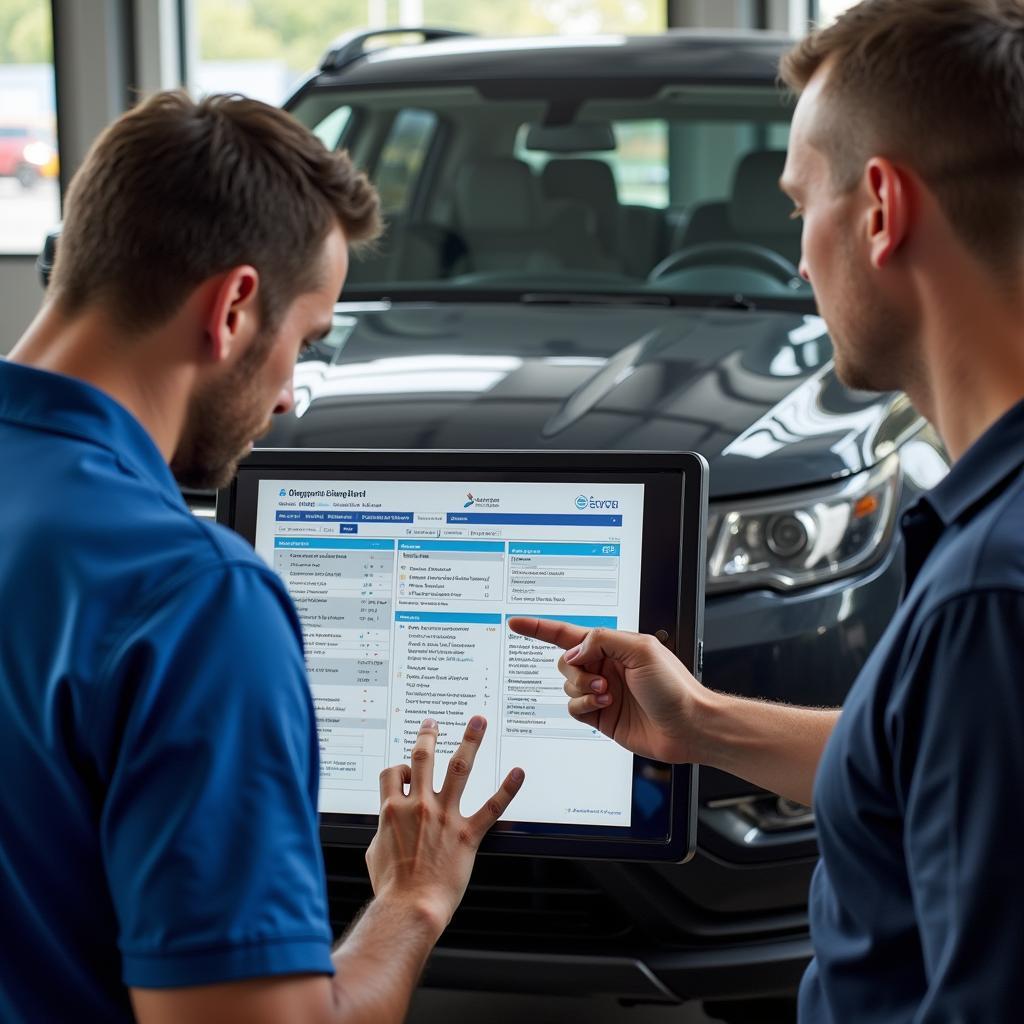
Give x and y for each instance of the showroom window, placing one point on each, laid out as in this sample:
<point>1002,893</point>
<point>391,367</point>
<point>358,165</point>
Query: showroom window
<point>29,185</point>
<point>264,48</point>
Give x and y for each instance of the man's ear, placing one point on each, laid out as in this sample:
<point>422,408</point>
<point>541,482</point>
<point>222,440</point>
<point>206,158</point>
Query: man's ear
<point>889,218</point>
<point>233,313</point>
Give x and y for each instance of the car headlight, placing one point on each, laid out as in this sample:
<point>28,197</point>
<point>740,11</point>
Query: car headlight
<point>803,539</point>
<point>37,154</point>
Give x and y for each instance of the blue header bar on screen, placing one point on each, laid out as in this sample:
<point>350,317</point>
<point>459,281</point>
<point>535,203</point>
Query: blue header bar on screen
<point>587,621</point>
<point>524,519</point>
<point>457,617</point>
<point>451,545</point>
<point>585,550</point>
<point>336,543</point>
<point>344,517</point>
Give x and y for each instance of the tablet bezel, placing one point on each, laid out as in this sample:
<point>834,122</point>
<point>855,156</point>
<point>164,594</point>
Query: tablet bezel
<point>683,624</point>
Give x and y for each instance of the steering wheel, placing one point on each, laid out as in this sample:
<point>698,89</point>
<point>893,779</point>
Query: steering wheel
<point>742,254</point>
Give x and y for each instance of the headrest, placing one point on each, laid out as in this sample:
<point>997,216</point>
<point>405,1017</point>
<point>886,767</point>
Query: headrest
<point>498,194</point>
<point>589,181</point>
<point>758,205</point>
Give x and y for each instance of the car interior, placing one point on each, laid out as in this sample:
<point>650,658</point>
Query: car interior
<point>674,194</point>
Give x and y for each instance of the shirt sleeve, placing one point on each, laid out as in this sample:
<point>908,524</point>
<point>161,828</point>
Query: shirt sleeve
<point>959,765</point>
<point>208,825</point>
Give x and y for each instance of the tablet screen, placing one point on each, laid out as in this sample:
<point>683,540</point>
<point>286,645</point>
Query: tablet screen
<point>404,593</point>
<point>405,568</point>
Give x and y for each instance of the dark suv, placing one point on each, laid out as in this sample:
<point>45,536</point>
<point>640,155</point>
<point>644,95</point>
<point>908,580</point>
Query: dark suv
<point>586,248</point>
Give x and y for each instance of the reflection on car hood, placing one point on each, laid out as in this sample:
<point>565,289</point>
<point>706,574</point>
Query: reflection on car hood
<point>754,392</point>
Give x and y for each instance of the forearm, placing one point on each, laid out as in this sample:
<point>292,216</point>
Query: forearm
<point>379,963</point>
<point>774,746</point>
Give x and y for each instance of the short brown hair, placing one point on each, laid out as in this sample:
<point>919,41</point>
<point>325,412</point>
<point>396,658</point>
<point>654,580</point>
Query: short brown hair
<point>177,191</point>
<point>939,86</point>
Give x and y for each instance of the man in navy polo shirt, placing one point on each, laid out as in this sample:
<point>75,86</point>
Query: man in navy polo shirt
<point>906,164</point>
<point>159,847</point>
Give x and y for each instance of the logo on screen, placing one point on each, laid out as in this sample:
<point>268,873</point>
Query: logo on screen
<point>583,502</point>
<point>472,500</point>
<point>282,493</point>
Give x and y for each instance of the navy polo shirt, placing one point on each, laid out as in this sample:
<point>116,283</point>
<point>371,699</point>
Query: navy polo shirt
<point>916,903</point>
<point>158,750</point>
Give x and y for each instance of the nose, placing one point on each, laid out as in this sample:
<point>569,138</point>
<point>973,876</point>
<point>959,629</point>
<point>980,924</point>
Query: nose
<point>285,399</point>
<point>804,272</point>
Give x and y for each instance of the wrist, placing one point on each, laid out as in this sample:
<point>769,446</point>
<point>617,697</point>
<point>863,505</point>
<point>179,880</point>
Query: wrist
<point>709,726</point>
<point>420,915</point>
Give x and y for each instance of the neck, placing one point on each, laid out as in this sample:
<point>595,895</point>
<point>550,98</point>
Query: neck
<point>146,373</point>
<point>972,353</point>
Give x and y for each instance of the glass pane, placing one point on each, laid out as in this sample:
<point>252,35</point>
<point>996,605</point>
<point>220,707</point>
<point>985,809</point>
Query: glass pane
<point>29,189</point>
<point>672,192</point>
<point>639,161</point>
<point>402,157</point>
<point>829,10</point>
<point>331,129</point>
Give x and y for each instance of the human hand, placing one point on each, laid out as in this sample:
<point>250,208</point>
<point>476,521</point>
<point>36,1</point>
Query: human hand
<point>628,686</point>
<point>424,849</point>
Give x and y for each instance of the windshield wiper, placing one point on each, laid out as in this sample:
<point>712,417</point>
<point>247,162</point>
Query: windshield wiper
<point>592,299</point>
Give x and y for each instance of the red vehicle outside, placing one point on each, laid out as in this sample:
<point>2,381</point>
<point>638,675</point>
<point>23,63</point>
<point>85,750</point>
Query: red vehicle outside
<point>25,155</point>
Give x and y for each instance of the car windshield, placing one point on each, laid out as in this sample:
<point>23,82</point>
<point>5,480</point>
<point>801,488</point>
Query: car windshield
<point>674,193</point>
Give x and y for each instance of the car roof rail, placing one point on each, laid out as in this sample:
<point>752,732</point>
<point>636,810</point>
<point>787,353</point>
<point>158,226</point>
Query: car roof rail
<point>352,45</point>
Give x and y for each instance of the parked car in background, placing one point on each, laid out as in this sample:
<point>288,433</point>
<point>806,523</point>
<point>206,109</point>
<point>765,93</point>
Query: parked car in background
<point>26,155</point>
<point>586,248</point>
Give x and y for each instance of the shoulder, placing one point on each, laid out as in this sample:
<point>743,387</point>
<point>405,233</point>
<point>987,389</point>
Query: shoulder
<point>986,552</point>
<point>998,546</point>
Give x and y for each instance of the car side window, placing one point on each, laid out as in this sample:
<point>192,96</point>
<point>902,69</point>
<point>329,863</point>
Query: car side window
<point>401,158</point>
<point>331,129</point>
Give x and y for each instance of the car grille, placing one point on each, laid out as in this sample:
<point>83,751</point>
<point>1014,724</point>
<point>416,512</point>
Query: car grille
<point>509,900</point>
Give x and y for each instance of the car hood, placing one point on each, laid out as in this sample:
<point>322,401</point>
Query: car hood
<point>753,391</point>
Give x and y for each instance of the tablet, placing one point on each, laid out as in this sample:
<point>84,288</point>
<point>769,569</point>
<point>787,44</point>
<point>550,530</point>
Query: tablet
<point>405,567</point>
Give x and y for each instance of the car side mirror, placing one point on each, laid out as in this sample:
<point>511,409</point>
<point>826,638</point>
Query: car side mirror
<point>44,261</point>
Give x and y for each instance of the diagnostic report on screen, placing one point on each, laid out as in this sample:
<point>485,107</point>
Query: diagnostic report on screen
<point>405,589</point>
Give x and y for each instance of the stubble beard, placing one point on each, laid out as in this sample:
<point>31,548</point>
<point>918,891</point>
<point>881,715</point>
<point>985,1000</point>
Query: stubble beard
<point>222,419</point>
<point>872,340</point>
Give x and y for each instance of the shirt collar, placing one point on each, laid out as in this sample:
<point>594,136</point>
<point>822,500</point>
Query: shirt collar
<point>988,463</point>
<point>58,404</point>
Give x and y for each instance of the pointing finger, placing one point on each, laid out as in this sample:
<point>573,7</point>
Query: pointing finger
<point>560,634</point>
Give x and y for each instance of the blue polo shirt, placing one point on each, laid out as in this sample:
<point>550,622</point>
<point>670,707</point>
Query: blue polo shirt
<point>916,904</point>
<point>158,750</point>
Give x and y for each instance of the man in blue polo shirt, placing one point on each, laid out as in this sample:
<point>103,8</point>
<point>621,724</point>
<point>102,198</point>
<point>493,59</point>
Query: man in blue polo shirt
<point>159,847</point>
<point>906,164</point>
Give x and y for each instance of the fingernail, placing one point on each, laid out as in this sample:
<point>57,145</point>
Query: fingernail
<point>517,775</point>
<point>476,723</point>
<point>596,685</point>
<point>428,723</point>
<point>573,654</point>
<point>604,698</point>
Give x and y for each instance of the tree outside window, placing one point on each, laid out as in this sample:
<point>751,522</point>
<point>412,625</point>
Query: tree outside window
<point>264,47</point>
<point>29,189</point>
